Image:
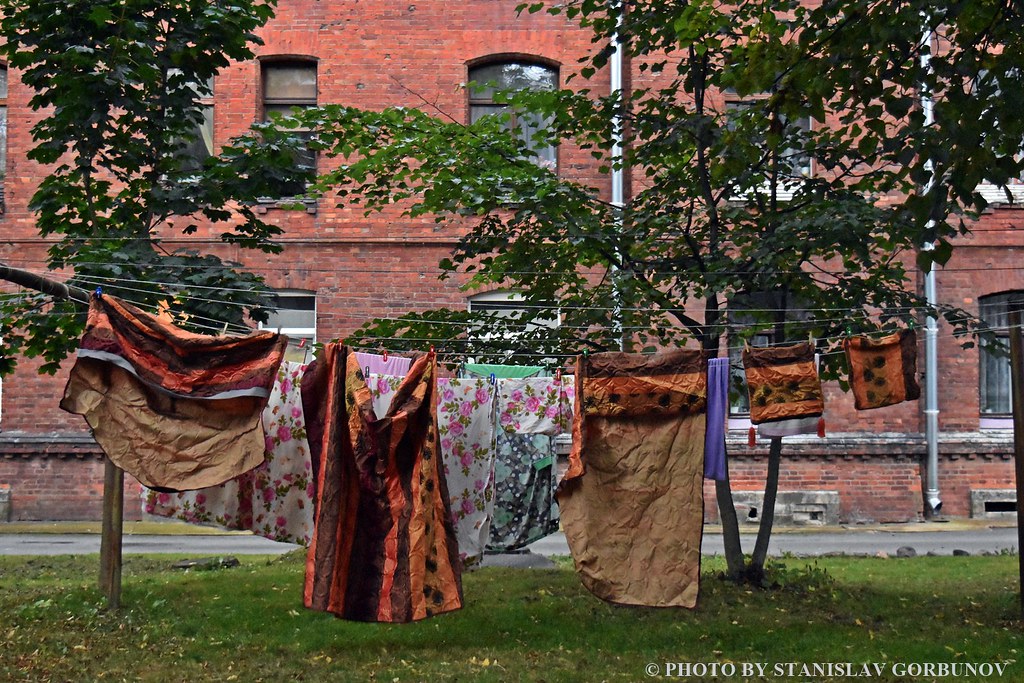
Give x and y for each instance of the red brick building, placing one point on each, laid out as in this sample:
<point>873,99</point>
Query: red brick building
<point>342,269</point>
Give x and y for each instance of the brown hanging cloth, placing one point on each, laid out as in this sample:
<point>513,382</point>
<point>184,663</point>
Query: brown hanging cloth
<point>174,409</point>
<point>883,371</point>
<point>783,384</point>
<point>632,501</point>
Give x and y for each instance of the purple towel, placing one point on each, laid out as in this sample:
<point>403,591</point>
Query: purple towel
<point>394,365</point>
<point>718,406</point>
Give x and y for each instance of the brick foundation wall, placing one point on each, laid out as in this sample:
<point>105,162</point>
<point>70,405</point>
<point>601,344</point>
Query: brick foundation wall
<point>61,478</point>
<point>58,478</point>
<point>878,477</point>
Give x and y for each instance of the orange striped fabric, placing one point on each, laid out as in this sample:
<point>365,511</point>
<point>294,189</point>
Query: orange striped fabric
<point>383,546</point>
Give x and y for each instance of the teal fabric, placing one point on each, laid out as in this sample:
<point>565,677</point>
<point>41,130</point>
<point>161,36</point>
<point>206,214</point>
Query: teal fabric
<point>503,371</point>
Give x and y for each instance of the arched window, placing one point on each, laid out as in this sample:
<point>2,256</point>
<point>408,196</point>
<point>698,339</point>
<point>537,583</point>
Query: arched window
<point>994,370</point>
<point>290,83</point>
<point>510,76</point>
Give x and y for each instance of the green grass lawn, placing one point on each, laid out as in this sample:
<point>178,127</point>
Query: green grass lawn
<point>247,623</point>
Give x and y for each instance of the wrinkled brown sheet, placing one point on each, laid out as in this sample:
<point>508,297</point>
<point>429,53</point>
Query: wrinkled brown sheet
<point>632,502</point>
<point>161,440</point>
<point>782,383</point>
<point>883,371</point>
<point>173,409</point>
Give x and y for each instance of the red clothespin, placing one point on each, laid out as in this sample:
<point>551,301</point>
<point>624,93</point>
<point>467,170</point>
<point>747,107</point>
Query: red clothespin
<point>302,343</point>
<point>384,355</point>
<point>558,375</point>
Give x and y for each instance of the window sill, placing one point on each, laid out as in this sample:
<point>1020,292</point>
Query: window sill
<point>994,194</point>
<point>993,422</point>
<point>739,424</point>
<point>265,204</point>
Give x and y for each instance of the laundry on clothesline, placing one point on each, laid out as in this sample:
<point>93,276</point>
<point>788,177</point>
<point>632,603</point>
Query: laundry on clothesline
<point>783,385</point>
<point>465,422</point>
<point>883,372</point>
<point>273,500</point>
<point>717,415</point>
<point>531,413</point>
<point>174,409</point>
<point>383,547</point>
<point>632,500</point>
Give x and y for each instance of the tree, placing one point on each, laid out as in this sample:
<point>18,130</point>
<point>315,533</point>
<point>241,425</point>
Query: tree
<point>723,209</point>
<point>119,85</point>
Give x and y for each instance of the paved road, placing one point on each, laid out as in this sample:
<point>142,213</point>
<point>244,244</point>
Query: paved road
<point>850,542</point>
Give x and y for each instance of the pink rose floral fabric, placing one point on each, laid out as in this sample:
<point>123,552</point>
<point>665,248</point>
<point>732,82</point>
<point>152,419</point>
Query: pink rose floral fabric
<point>382,390</point>
<point>531,412</point>
<point>465,415</point>
<point>274,500</point>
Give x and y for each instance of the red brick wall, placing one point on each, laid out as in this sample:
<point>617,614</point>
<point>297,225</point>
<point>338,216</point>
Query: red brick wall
<point>374,54</point>
<point>61,487</point>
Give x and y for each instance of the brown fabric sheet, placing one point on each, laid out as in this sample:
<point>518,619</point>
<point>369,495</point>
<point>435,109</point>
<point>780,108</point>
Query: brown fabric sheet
<point>883,372</point>
<point>632,502</point>
<point>384,546</point>
<point>782,383</point>
<point>202,437</point>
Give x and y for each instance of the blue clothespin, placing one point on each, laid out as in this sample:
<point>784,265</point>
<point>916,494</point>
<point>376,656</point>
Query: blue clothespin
<point>494,379</point>
<point>98,293</point>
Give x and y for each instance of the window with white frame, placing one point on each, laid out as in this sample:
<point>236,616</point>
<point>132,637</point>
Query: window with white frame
<point>295,317</point>
<point>793,163</point>
<point>991,86</point>
<point>513,76</point>
<point>508,306</point>
<point>994,389</point>
<point>745,310</point>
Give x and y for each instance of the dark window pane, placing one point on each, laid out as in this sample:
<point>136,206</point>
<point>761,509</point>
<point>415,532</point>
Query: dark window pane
<point>287,85</point>
<point>514,76</point>
<point>289,82</point>
<point>994,386</point>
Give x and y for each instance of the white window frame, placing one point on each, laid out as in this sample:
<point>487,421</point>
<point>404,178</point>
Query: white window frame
<point>297,333</point>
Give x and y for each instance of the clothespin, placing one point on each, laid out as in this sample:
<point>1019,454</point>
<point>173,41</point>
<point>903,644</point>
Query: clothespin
<point>558,375</point>
<point>366,372</point>
<point>493,379</point>
<point>384,355</point>
<point>432,348</point>
<point>98,293</point>
<point>302,343</point>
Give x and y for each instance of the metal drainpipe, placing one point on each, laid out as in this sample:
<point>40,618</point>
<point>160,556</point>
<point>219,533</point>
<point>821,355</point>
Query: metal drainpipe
<point>933,502</point>
<point>618,177</point>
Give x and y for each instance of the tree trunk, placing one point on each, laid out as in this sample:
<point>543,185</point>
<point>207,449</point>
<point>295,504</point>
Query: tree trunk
<point>755,570</point>
<point>730,526</point>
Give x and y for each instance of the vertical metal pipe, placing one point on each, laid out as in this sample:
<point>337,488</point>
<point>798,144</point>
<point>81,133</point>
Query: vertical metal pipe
<point>618,177</point>
<point>933,502</point>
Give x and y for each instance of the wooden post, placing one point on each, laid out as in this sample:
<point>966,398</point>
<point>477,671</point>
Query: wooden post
<point>113,528</point>
<point>1017,383</point>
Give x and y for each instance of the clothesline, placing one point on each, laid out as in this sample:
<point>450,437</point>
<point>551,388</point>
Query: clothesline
<point>217,327</point>
<point>516,304</point>
<point>581,271</point>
